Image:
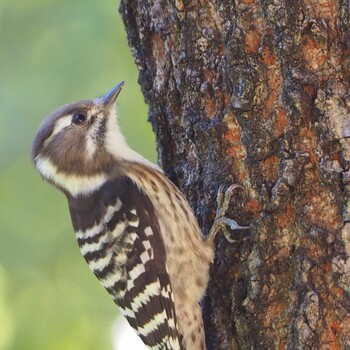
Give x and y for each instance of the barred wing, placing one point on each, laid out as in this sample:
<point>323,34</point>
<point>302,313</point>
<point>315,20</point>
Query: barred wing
<point>119,237</point>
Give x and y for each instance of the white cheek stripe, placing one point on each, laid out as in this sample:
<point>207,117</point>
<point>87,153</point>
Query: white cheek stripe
<point>74,184</point>
<point>59,125</point>
<point>90,147</point>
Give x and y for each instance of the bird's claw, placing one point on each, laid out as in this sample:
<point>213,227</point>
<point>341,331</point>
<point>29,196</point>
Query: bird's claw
<point>221,222</point>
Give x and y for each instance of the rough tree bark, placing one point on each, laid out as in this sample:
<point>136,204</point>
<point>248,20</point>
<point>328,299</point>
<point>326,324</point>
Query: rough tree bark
<point>256,92</point>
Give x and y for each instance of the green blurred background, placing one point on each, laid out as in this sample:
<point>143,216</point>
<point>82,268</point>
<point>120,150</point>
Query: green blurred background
<point>52,53</point>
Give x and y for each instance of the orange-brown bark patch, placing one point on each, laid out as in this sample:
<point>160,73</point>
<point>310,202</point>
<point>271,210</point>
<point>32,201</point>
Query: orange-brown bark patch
<point>253,206</point>
<point>264,233</point>
<point>281,122</point>
<point>274,84</point>
<point>235,150</point>
<point>338,292</point>
<point>233,135</point>
<point>226,99</point>
<point>326,267</point>
<point>270,167</point>
<point>323,9</point>
<point>329,336</point>
<point>273,313</point>
<point>282,252</point>
<point>208,75</point>
<point>344,329</point>
<point>286,218</point>
<point>158,46</point>
<point>320,210</point>
<point>314,252</point>
<point>311,90</point>
<point>315,54</point>
<point>282,346</point>
<point>209,107</point>
<point>252,40</point>
<point>268,55</point>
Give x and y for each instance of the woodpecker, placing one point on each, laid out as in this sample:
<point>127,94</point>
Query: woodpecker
<point>133,226</point>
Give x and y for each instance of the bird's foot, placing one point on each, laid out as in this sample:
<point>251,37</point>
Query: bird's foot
<point>222,222</point>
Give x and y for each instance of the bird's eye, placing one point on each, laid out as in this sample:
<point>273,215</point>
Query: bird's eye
<point>78,118</point>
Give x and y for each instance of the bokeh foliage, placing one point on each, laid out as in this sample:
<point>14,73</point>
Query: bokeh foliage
<point>52,53</point>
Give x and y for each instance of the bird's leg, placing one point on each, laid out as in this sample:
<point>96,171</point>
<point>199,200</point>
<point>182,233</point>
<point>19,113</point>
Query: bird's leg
<point>221,221</point>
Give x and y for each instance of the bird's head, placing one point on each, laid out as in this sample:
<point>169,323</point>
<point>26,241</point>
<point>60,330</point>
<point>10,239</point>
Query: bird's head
<point>78,146</point>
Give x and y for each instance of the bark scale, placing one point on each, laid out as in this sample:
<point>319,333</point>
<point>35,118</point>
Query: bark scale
<point>257,93</point>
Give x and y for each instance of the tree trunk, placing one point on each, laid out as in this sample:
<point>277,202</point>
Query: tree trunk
<point>256,93</point>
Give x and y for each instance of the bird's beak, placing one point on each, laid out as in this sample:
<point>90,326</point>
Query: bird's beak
<point>106,101</point>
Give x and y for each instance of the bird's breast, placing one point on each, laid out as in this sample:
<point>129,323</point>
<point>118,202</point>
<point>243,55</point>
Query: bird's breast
<point>188,255</point>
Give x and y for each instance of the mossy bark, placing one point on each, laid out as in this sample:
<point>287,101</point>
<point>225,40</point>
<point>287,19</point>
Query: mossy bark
<point>257,93</point>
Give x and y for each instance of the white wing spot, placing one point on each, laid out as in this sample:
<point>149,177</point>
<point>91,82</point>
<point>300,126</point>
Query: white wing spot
<point>145,257</point>
<point>119,229</point>
<point>146,245</point>
<point>144,296</point>
<point>137,271</point>
<point>112,279</point>
<point>120,258</point>
<point>134,223</point>
<point>148,231</point>
<point>93,231</point>
<point>128,312</point>
<point>100,264</point>
<point>93,247</point>
<point>118,205</point>
<point>153,324</point>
